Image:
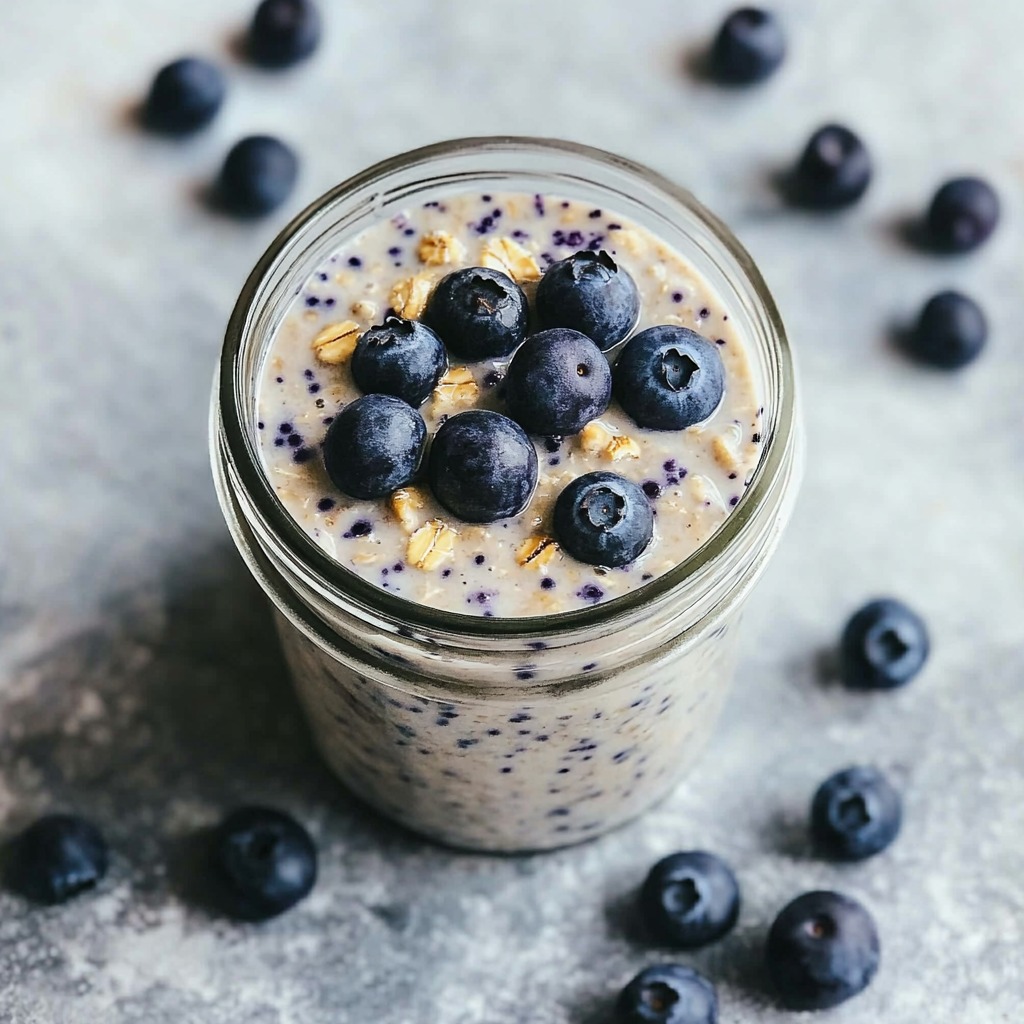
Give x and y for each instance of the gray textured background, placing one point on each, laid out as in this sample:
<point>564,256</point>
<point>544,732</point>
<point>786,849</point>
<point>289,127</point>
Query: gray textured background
<point>138,680</point>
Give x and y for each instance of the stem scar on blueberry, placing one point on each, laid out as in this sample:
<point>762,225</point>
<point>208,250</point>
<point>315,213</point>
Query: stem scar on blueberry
<point>678,369</point>
<point>821,927</point>
<point>603,508</point>
<point>853,812</point>
<point>659,997</point>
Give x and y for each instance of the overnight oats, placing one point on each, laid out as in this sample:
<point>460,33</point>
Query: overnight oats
<point>507,446</point>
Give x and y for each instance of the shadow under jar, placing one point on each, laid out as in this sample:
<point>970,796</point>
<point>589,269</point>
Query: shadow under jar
<point>506,734</point>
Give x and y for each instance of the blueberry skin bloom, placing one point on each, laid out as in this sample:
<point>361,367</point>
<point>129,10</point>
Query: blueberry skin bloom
<point>690,899</point>
<point>884,645</point>
<point>479,313</point>
<point>258,175</point>
<point>855,814</point>
<point>401,358</point>
<point>603,519</point>
<point>668,994</point>
<point>482,466</point>
<point>833,172</point>
<point>588,292</point>
<point>749,47</point>
<point>57,857</point>
<point>265,862</point>
<point>950,333</point>
<point>557,382</point>
<point>822,950</point>
<point>184,97</point>
<point>283,32</point>
<point>669,378</point>
<point>374,446</point>
<point>963,214</point>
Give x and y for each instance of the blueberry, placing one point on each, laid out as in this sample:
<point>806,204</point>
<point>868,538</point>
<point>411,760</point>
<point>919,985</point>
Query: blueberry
<point>265,862</point>
<point>401,358</point>
<point>749,47</point>
<point>184,97</point>
<point>950,333</point>
<point>57,857</point>
<point>962,215</point>
<point>374,446</point>
<point>283,32</point>
<point>258,175</point>
<point>479,313</point>
<point>588,292</point>
<point>667,994</point>
<point>834,170</point>
<point>690,899</point>
<point>482,467</point>
<point>603,519</point>
<point>822,950</point>
<point>855,814</point>
<point>883,646</point>
<point>669,378</point>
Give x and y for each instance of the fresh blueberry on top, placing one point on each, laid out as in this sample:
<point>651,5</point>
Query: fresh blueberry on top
<point>57,857</point>
<point>668,378</point>
<point>479,313</point>
<point>822,949</point>
<point>963,214</point>
<point>558,381</point>
<point>603,519</point>
<point>374,446</point>
<point>258,175</point>
<point>668,994</point>
<point>400,357</point>
<point>265,862</point>
<point>184,97</point>
<point>690,899</point>
<point>749,47</point>
<point>833,171</point>
<point>482,466</point>
<point>883,646</point>
<point>283,32</point>
<point>950,333</point>
<point>855,814</point>
<point>588,292</point>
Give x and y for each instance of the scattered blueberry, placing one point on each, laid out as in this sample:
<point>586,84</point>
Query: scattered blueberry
<point>258,175</point>
<point>283,32</point>
<point>184,97</point>
<point>603,519</point>
<point>482,466</point>
<point>749,47</point>
<point>374,446</point>
<point>57,857</point>
<point>834,170</point>
<point>963,214</point>
<point>588,292</point>
<point>884,645</point>
<point>401,358</point>
<point>822,949</point>
<point>667,994</point>
<point>668,378</point>
<point>690,899</point>
<point>950,333</point>
<point>479,313</point>
<point>855,814</point>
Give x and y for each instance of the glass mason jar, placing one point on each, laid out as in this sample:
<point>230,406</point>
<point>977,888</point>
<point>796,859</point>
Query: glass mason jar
<point>515,733</point>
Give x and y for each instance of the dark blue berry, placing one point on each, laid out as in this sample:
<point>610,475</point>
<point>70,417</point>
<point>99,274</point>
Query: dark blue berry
<point>950,333</point>
<point>855,814</point>
<point>883,646</point>
<point>184,97</point>
<point>822,949</point>
<point>401,358</point>
<point>558,381</point>
<point>283,32</point>
<point>834,170</point>
<point>258,175</point>
<point>589,293</point>
<point>603,519</point>
<point>265,862</point>
<point>56,858</point>
<point>482,467</point>
<point>690,899</point>
<point>963,214</point>
<point>749,47</point>
<point>479,313</point>
<point>668,994</point>
<point>374,446</point>
<point>669,378</point>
